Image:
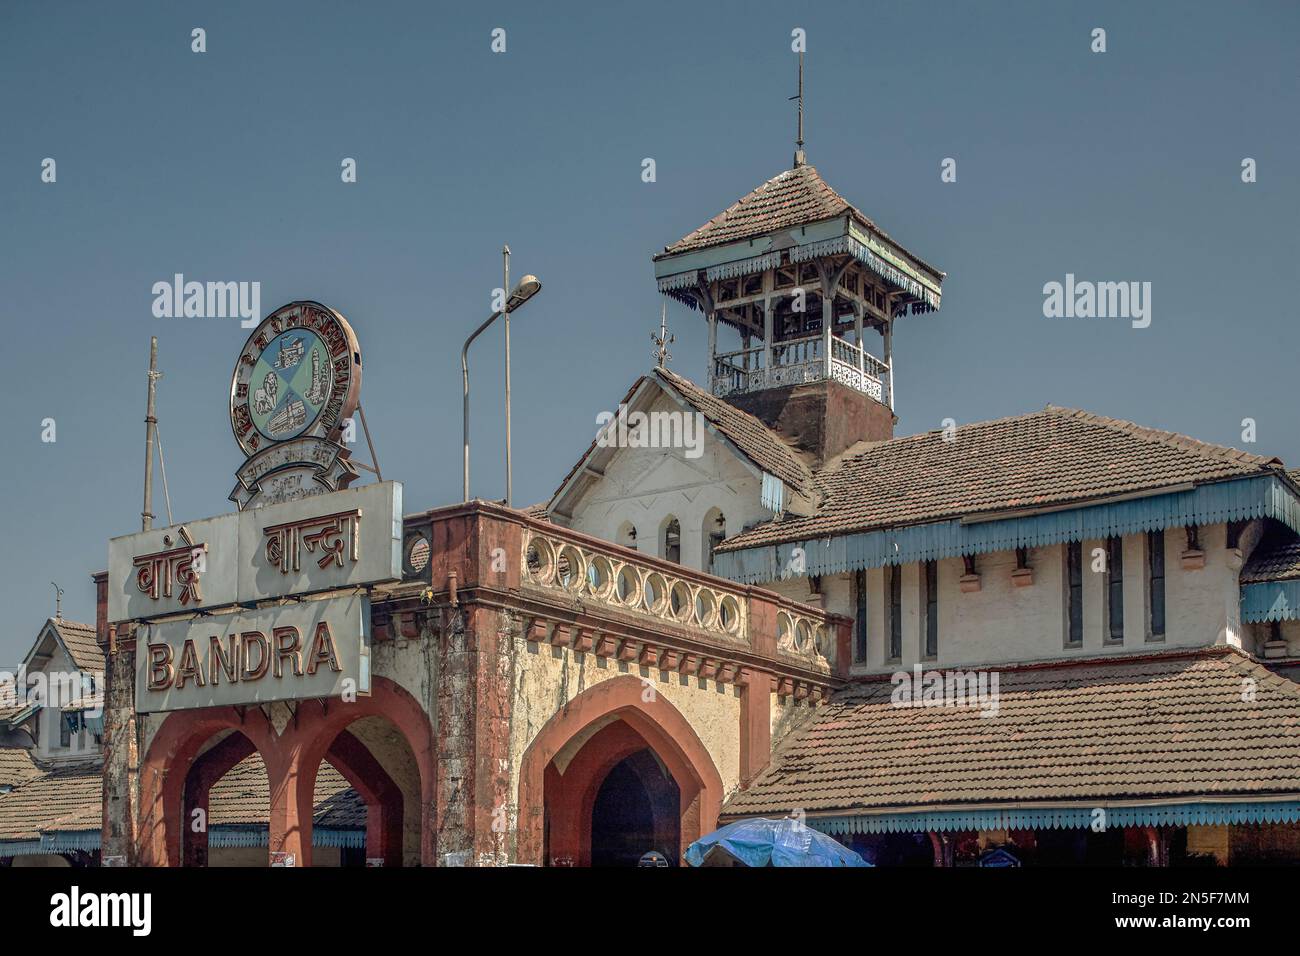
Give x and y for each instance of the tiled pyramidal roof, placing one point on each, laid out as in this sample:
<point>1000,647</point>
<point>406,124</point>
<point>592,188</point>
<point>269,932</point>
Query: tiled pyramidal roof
<point>1166,726</point>
<point>792,198</point>
<point>1055,456</point>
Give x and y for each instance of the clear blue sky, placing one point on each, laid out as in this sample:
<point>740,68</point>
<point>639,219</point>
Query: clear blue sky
<point>225,166</point>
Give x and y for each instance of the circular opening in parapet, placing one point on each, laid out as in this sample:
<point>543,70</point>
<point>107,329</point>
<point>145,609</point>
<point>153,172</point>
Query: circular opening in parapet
<point>569,567</point>
<point>802,637</point>
<point>679,601</point>
<point>819,639</point>
<point>627,585</point>
<point>729,614</point>
<point>417,554</point>
<point>784,631</point>
<point>600,576</point>
<point>540,560</point>
<point>656,592</point>
<point>706,607</point>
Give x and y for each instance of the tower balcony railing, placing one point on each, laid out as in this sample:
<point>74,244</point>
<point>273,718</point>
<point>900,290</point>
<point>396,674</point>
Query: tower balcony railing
<point>800,361</point>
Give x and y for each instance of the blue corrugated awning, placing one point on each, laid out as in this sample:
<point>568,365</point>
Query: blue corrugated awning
<point>230,835</point>
<point>1062,818</point>
<point>1270,601</point>
<point>1264,496</point>
<point>64,841</point>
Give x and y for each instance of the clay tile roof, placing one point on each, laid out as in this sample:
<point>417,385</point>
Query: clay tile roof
<point>1277,558</point>
<point>9,702</point>
<point>16,766</point>
<point>1057,456</point>
<point>81,644</point>
<point>792,198</point>
<point>795,197</point>
<point>46,801</point>
<point>243,797</point>
<point>760,444</point>
<point>1168,726</point>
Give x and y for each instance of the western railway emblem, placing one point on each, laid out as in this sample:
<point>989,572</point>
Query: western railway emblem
<point>296,383</point>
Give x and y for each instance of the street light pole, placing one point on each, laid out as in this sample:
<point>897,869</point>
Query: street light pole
<point>505,284</point>
<point>528,287</point>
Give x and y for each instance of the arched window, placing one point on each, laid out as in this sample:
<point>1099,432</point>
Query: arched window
<point>715,532</point>
<point>626,535</point>
<point>673,541</point>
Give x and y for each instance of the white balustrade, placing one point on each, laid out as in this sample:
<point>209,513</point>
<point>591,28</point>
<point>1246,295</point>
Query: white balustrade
<point>611,579</point>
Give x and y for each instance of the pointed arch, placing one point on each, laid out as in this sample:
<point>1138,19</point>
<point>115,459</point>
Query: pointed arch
<point>655,723</point>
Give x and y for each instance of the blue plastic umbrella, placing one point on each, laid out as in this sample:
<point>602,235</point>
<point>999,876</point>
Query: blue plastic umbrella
<point>764,842</point>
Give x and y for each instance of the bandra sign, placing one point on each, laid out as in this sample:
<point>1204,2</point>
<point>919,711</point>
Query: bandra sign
<point>319,543</point>
<point>316,648</point>
<point>208,595</point>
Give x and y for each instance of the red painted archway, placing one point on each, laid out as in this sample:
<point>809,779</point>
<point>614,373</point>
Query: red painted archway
<point>633,723</point>
<point>292,759</point>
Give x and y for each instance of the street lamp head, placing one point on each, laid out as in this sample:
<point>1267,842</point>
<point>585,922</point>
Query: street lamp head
<point>528,287</point>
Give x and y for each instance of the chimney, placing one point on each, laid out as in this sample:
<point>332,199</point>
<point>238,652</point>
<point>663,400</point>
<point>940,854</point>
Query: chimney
<point>820,418</point>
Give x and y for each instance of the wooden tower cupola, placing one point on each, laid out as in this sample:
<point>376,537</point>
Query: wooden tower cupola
<point>797,277</point>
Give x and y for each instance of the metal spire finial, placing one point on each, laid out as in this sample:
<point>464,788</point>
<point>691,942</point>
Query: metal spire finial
<point>663,339</point>
<point>58,602</point>
<point>799,158</point>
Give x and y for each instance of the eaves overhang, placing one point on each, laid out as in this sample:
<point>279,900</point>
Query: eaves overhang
<point>1259,496</point>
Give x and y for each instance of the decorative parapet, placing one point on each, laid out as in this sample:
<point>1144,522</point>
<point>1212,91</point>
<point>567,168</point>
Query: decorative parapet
<point>803,636</point>
<point>586,594</point>
<point>610,578</point>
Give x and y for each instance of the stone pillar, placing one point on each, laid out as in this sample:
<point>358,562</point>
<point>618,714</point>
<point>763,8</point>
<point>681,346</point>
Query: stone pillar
<point>121,745</point>
<point>293,782</point>
<point>756,689</point>
<point>475,807</point>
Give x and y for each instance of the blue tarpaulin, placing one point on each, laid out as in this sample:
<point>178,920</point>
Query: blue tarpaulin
<point>764,842</point>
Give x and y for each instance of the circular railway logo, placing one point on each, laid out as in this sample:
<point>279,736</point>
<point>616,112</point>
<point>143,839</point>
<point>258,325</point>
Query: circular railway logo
<point>299,374</point>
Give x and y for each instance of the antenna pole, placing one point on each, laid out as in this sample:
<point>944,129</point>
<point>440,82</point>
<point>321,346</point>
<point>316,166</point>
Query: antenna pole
<point>150,426</point>
<point>505,314</point>
<point>798,142</point>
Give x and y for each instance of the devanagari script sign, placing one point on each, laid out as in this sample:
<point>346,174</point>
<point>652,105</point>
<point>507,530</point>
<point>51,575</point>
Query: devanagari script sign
<point>338,540</point>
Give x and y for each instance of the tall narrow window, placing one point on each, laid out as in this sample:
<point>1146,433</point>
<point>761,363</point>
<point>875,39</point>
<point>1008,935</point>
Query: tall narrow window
<point>930,582</point>
<point>1074,593</point>
<point>860,617</point>
<point>895,612</point>
<point>1156,585</point>
<point>716,529</point>
<point>673,541</point>
<point>1115,590</point>
<point>627,535</point>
